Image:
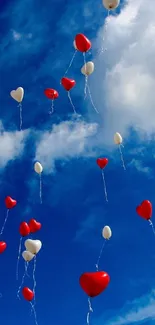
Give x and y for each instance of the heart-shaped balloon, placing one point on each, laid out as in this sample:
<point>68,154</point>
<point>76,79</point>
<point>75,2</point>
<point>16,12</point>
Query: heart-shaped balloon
<point>33,245</point>
<point>82,43</point>
<point>67,83</point>
<point>28,294</point>
<point>145,210</point>
<point>24,229</point>
<point>102,162</point>
<point>27,256</point>
<point>2,246</point>
<point>94,283</point>
<point>10,203</point>
<point>51,93</point>
<point>17,94</point>
<point>34,225</point>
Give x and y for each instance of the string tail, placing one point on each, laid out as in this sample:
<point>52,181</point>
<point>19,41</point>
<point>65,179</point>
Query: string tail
<point>89,311</point>
<point>6,218</point>
<point>20,116</point>
<point>34,279</point>
<point>104,49</point>
<point>86,77</point>
<point>105,189</point>
<point>26,268</point>
<point>90,96</point>
<point>19,252</point>
<point>98,261</point>
<point>69,96</point>
<point>34,312</point>
<point>40,190</point>
<point>52,108</point>
<point>71,62</point>
<point>121,154</point>
<point>23,278</point>
<point>152,225</point>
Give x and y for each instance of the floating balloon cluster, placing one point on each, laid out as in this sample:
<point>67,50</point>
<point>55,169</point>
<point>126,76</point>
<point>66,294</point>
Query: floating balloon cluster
<point>92,283</point>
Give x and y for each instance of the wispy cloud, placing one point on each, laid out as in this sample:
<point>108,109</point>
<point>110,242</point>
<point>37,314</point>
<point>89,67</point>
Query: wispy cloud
<point>136,312</point>
<point>66,140</point>
<point>11,145</point>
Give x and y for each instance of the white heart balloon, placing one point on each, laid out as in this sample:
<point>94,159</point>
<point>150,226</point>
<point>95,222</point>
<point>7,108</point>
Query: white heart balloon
<point>17,94</point>
<point>33,246</point>
<point>88,68</point>
<point>106,232</point>
<point>38,168</point>
<point>27,256</point>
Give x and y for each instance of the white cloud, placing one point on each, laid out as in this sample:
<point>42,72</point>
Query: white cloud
<point>11,145</point>
<point>137,311</point>
<point>129,82</point>
<point>66,140</point>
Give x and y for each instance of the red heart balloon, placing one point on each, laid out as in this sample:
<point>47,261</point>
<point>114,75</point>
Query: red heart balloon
<point>94,283</point>
<point>67,83</point>
<point>2,246</point>
<point>34,225</point>
<point>51,93</point>
<point>145,210</point>
<point>102,162</point>
<point>10,203</point>
<point>82,43</point>
<point>24,229</point>
<point>28,294</point>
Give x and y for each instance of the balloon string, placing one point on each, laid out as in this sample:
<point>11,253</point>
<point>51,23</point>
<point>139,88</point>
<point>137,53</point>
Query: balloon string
<point>105,189</point>
<point>104,49</point>
<point>98,261</point>
<point>6,218</point>
<point>121,154</point>
<point>34,312</point>
<point>152,225</point>
<point>26,268</point>
<point>20,115</point>
<point>40,190</point>
<point>69,96</point>
<point>19,251</point>
<point>52,108</point>
<point>90,96</point>
<point>90,310</point>
<point>72,59</point>
<point>86,77</point>
<point>34,280</point>
<point>23,278</point>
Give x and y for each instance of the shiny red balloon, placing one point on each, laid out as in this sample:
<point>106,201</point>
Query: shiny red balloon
<point>24,229</point>
<point>67,83</point>
<point>94,283</point>
<point>102,162</point>
<point>145,210</point>
<point>34,225</point>
<point>51,93</point>
<point>2,246</point>
<point>10,203</point>
<point>82,43</point>
<point>28,294</point>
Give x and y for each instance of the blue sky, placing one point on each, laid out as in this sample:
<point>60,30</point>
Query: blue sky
<point>36,47</point>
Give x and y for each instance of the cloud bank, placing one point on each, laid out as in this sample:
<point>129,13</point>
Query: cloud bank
<point>128,86</point>
<point>66,140</point>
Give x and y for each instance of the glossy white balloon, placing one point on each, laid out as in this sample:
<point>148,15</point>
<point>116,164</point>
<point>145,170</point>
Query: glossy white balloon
<point>38,168</point>
<point>17,94</point>
<point>111,4</point>
<point>88,68</point>
<point>74,44</point>
<point>106,232</point>
<point>117,138</point>
<point>27,256</point>
<point>33,246</point>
